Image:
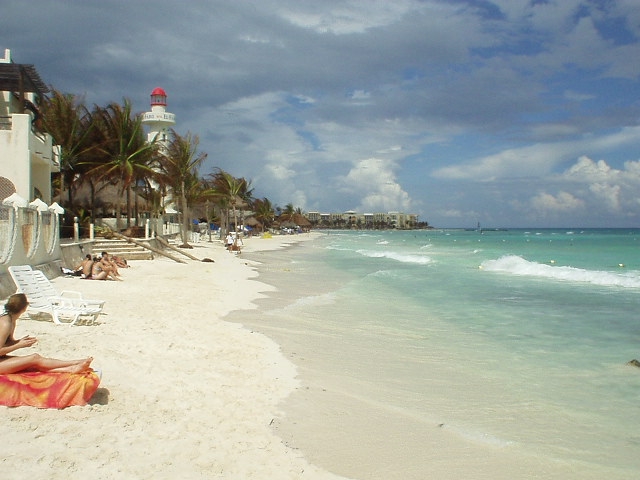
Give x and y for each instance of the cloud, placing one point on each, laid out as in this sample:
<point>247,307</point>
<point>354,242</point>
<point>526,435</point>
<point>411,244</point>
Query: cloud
<point>598,188</point>
<point>614,189</point>
<point>347,17</point>
<point>547,204</point>
<point>608,194</point>
<point>374,180</point>
<point>586,170</point>
<point>539,159</point>
<point>301,96</point>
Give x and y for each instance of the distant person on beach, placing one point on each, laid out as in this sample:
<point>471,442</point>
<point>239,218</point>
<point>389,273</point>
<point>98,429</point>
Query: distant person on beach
<point>83,270</point>
<point>98,271</point>
<point>119,261</point>
<point>108,264</point>
<point>85,267</point>
<point>16,306</point>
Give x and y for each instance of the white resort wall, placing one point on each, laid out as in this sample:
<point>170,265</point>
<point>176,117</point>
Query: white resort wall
<point>29,235</point>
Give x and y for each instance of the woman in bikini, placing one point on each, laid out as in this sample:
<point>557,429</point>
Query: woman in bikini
<point>16,306</point>
<point>100,271</point>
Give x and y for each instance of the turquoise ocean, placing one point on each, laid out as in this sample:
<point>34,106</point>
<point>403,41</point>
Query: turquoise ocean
<point>513,341</point>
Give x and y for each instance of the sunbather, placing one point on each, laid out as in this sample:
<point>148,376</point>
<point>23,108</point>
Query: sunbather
<point>101,271</point>
<point>16,306</point>
<point>120,261</point>
<point>109,265</point>
<point>85,267</point>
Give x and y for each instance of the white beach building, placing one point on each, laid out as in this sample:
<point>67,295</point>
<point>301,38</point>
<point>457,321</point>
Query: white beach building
<point>29,222</point>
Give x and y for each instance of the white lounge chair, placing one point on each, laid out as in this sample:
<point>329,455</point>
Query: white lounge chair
<point>43,297</point>
<point>72,296</point>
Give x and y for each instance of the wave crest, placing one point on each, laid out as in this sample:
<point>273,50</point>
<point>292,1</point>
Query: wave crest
<point>399,257</point>
<point>519,266</point>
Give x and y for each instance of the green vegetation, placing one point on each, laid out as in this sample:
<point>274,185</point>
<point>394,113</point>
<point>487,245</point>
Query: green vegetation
<point>106,163</point>
<point>104,150</point>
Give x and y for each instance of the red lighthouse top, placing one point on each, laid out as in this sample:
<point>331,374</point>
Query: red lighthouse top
<point>158,97</point>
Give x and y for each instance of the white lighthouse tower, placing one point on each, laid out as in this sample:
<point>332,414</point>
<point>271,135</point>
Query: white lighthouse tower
<point>158,119</point>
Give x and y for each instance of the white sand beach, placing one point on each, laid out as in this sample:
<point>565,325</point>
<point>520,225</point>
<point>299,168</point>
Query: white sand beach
<point>184,393</point>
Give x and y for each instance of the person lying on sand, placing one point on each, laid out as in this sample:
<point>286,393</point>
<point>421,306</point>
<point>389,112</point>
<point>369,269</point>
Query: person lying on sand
<point>16,306</point>
<point>119,261</point>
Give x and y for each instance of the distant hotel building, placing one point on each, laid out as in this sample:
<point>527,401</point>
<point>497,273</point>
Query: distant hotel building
<point>352,219</point>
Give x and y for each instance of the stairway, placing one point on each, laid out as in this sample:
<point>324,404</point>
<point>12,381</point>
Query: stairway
<point>121,248</point>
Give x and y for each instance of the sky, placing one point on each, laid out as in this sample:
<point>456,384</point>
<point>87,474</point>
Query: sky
<point>511,113</point>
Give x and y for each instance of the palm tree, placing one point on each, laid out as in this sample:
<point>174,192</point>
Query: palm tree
<point>263,211</point>
<point>70,124</point>
<point>179,166</point>
<point>128,156</point>
<point>234,191</point>
<point>287,213</point>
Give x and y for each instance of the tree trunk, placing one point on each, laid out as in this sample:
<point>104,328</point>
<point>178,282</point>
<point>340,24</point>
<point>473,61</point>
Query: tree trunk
<point>129,206</point>
<point>119,211</point>
<point>148,247</point>
<point>136,206</point>
<point>235,227</point>
<point>69,191</point>
<point>186,222</point>
<point>92,200</point>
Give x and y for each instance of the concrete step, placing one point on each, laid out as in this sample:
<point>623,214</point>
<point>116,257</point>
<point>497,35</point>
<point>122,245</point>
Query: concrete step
<point>121,248</point>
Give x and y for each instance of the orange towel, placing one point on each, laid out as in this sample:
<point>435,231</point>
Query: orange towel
<point>47,390</point>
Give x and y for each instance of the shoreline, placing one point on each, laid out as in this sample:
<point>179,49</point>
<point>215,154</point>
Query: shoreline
<point>185,393</point>
<point>338,417</point>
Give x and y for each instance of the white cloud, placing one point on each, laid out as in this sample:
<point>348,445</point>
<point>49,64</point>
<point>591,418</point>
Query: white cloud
<point>611,188</point>
<point>348,17</point>
<point>293,95</point>
<point>586,170</point>
<point>360,95</point>
<point>532,160</point>
<point>279,172</point>
<point>538,159</point>
<point>563,202</point>
<point>375,181</point>
<point>607,194</point>
<point>599,188</point>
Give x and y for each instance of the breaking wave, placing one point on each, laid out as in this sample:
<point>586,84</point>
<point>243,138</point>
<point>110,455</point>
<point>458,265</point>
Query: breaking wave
<point>399,257</point>
<point>516,265</point>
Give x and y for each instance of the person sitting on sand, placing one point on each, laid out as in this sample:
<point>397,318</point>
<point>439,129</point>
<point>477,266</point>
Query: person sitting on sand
<point>85,267</point>
<point>108,264</point>
<point>16,306</point>
<point>81,270</point>
<point>98,271</point>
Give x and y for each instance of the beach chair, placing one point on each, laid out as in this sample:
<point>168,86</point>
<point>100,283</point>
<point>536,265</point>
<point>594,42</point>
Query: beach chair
<point>75,298</point>
<point>43,297</point>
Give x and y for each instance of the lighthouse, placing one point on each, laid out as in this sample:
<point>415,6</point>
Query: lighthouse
<point>158,119</point>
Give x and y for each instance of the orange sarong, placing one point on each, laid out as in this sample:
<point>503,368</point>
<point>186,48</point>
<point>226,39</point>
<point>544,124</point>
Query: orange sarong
<point>47,389</point>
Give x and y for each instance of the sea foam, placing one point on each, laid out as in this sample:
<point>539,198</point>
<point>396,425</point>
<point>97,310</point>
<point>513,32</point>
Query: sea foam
<point>519,266</point>
<point>399,257</point>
